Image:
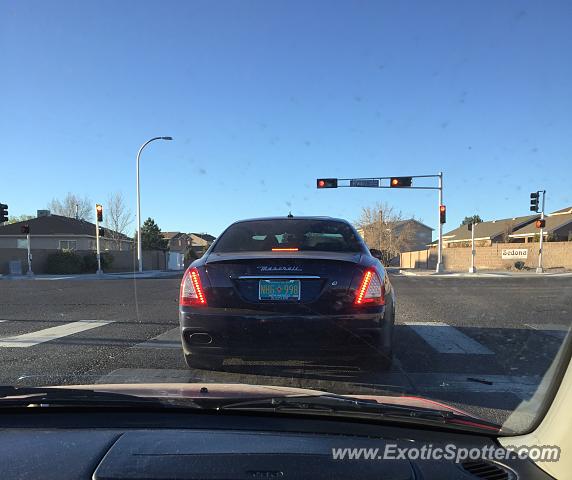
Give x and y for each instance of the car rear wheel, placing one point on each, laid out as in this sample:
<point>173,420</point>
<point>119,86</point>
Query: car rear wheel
<point>204,362</point>
<point>381,358</point>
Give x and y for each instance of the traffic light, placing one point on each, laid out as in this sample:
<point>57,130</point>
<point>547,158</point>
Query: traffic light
<point>400,182</point>
<point>469,226</point>
<point>3,212</point>
<point>101,232</point>
<point>540,223</point>
<point>534,200</point>
<point>25,229</point>
<point>442,213</point>
<point>327,183</point>
<point>99,211</point>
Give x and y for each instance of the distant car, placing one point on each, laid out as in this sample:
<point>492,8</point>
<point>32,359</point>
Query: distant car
<point>284,287</point>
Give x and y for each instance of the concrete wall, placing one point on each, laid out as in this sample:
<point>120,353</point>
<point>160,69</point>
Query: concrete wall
<point>556,255</point>
<point>124,261</point>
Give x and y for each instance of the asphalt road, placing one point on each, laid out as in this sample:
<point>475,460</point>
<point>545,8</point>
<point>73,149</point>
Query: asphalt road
<point>483,344</point>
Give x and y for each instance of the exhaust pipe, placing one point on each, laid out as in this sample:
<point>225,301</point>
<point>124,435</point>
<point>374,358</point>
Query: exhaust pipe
<point>200,338</point>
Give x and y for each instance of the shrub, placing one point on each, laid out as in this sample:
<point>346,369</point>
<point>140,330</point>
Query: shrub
<point>90,262</point>
<point>64,263</point>
<point>519,265</point>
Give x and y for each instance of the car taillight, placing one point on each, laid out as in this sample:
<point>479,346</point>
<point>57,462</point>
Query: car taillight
<point>371,290</point>
<point>192,292</point>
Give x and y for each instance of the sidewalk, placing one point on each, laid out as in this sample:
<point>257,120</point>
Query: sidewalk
<point>105,276</point>
<point>481,274</point>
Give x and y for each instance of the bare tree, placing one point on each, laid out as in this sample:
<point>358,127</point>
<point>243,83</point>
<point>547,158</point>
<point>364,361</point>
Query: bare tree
<point>72,206</point>
<point>383,230</point>
<point>117,217</point>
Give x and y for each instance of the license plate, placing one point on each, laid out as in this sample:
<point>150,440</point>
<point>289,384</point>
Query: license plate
<point>279,290</point>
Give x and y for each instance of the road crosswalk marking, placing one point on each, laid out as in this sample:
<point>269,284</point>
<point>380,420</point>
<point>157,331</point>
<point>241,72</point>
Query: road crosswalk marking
<point>53,333</point>
<point>446,339</point>
<point>551,329</point>
<point>169,339</point>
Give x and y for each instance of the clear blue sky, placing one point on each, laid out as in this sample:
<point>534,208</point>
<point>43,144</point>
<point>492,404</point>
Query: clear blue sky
<point>263,97</point>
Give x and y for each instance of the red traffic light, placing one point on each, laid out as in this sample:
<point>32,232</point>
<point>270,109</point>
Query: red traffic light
<point>99,212</point>
<point>327,183</point>
<point>400,181</point>
<point>442,213</point>
<point>25,229</point>
<point>540,223</point>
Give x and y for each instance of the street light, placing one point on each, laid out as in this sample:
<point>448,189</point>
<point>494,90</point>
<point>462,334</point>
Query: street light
<point>139,251</point>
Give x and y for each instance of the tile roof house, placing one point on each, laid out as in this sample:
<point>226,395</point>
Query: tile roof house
<point>178,241</point>
<point>558,228</point>
<point>495,231</point>
<point>55,232</point>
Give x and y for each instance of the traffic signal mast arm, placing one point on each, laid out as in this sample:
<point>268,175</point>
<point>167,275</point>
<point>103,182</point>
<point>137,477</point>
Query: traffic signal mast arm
<point>374,182</point>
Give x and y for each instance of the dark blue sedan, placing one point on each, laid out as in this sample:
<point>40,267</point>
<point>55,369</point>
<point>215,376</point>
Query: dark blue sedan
<point>287,288</point>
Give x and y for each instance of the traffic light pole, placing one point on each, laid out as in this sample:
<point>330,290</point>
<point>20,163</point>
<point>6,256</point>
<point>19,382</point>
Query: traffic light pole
<point>99,271</point>
<point>539,269</point>
<point>400,182</point>
<point>439,267</point>
<point>30,273</point>
<point>473,269</point>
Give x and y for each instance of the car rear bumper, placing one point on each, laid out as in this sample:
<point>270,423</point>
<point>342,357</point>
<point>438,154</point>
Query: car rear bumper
<point>224,333</point>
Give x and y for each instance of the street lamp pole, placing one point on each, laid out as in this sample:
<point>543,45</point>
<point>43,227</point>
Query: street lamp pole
<point>139,248</point>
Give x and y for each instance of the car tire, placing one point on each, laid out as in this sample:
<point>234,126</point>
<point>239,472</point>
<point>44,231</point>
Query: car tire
<point>381,359</point>
<point>204,362</point>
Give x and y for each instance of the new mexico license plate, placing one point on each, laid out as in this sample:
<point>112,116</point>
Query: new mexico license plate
<point>279,290</point>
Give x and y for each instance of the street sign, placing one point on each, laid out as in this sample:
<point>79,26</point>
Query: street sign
<point>512,253</point>
<point>365,182</point>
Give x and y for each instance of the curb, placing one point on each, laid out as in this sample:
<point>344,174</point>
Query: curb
<point>407,273</point>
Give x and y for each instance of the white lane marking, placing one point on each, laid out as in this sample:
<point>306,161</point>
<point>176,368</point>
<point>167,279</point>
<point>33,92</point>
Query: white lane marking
<point>552,329</point>
<point>53,333</point>
<point>169,339</point>
<point>446,339</point>
<point>522,386</point>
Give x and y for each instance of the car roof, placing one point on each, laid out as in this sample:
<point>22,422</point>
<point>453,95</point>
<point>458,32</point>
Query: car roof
<point>307,217</point>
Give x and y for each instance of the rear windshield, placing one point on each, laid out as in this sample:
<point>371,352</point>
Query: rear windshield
<point>300,234</point>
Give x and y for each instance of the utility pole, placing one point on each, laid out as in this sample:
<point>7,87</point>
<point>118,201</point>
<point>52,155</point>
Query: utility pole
<point>472,227</point>
<point>139,244</point>
<point>539,269</point>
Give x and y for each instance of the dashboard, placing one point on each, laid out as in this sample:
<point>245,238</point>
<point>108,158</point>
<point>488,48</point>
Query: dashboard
<point>114,445</point>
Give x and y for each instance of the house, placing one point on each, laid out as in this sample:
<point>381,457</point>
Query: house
<point>55,232</point>
<point>178,241</point>
<point>558,228</point>
<point>201,242</point>
<point>182,242</point>
<point>409,234</point>
<point>487,233</point>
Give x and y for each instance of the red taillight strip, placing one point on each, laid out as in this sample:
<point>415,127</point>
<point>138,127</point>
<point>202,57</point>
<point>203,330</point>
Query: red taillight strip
<point>284,249</point>
<point>196,281</point>
<point>363,287</point>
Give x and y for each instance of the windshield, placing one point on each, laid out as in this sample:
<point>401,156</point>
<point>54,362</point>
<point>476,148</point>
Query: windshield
<point>288,235</point>
<point>354,198</point>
